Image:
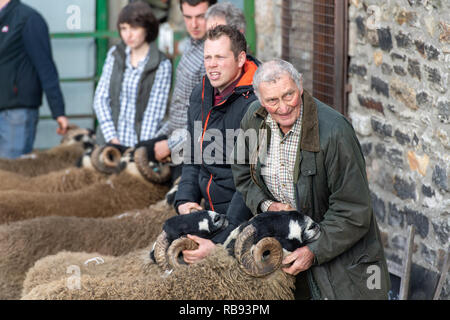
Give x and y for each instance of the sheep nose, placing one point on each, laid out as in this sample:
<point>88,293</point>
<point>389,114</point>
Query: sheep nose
<point>216,218</point>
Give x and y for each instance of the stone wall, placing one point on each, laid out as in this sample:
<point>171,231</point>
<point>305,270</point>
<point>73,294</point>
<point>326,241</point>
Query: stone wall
<point>400,109</point>
<point>268,29</point>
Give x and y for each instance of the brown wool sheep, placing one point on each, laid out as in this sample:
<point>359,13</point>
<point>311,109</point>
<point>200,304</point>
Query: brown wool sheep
<point>134,276</point>
<point>95,167</point>
<point>121,192</point>
<point>65,155</point>
<point>25,242</point>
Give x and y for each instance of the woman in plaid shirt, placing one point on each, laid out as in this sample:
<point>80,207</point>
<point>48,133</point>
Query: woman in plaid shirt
<point>131,97</point>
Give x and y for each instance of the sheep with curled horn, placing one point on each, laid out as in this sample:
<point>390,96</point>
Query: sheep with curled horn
<point>218,276</point>
<point>23,243</point>
<point>95,166</point>
<point>134,187</point>
<point>73,145</point>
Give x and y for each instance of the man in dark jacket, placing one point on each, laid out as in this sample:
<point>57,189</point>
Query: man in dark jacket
<point>217,106</point>
<point>308,158</point>
<point>26,67</point>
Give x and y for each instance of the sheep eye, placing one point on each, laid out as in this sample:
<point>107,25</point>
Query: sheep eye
<point>216,218</point>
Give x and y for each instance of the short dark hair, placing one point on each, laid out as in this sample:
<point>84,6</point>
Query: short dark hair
<point>194,3</point>
<point>238,42</point>
<point>139,14</point>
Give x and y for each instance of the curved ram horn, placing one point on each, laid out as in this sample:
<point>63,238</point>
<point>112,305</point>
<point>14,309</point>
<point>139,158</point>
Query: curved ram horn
<point>159,251</point>
<point>153,172</point>
<point>106,159</point>
<point>263,259</point>
<point>174,255</point>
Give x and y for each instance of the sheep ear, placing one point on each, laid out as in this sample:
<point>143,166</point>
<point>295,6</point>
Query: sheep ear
<point>265,257</point>
<point>174,255</point>
<point>153,172</point>
<point>106,159</point>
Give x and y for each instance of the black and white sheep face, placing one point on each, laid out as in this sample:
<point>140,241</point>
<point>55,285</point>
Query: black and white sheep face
<point>203,223</point>
<point>260,244</point>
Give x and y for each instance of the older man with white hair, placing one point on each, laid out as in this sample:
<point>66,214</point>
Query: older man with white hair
<point>313,164</point>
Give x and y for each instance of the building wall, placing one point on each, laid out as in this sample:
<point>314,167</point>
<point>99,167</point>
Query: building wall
<point>268,29</point>
<point>400,109</point>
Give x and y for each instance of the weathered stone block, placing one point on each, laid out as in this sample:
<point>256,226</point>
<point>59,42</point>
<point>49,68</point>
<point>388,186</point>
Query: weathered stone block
<point>395,157</point>
<point>419,220</point>
<point>420,46</point>
<point>401,137</point>
<point>431,52</point>
<point>422,99</point>
<point>379,207</point>
<point>385,39</point>
<point>358,70</point>
<point>369,103</point>
<point>404,190</point>
<point>361,26</point>
<point>386,69</point>
<point>402,92</point>
<point>414,68</point>
<point>397,56</point>
<point>433,74</point>
<point>403,40</point>
<point>380,86</point>
<point>442,230</point>
<point>400,71</point>
<point>396,216</point>
<point>382,129</point>
<point>419,163</point>
<point>427,191</point>
<point>444,111</point>
<point>380,150</point>
<point>440,178</point>
<point>399,242</point>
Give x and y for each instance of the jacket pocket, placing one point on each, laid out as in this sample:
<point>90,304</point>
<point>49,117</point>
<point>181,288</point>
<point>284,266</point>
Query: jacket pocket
<point>366,275</point>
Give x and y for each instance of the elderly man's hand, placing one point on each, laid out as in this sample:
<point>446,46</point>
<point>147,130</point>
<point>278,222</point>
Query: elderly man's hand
<point>302,259</point>
<point>205,247</point>
<point>278,206</point>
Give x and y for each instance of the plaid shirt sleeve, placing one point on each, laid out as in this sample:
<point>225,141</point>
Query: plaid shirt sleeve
<point>102,100</point>
<point>157,103</point>
<point>179,119</point>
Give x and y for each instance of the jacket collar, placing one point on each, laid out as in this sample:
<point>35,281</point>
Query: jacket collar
<point>309,140</point>
<point>9,7</point>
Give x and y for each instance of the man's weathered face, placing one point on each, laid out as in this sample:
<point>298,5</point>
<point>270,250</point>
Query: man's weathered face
<point>282,99</point>
<point>222,67</point>
<point>194,18</point>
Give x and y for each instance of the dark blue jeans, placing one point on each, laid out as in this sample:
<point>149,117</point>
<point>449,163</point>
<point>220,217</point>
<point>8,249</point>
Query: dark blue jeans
<point>17,131</point>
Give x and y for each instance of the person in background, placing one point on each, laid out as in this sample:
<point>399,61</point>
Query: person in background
<point>26,70</point>
<point>189,73</point>
<point>131,97</point>
<point>225,13</point>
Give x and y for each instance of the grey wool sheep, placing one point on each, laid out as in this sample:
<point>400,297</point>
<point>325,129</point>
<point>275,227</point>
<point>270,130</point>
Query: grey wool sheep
<point>25,242</point>
<point>130,189</point>
<point>94,167</point>
<point>65,155</point>
<point>218,276</point>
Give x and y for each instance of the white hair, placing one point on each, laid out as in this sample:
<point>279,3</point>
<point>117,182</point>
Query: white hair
<point>232,15</point>
<point>272,70</point>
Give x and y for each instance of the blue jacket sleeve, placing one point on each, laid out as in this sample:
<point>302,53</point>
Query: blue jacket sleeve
<point>36,40</point>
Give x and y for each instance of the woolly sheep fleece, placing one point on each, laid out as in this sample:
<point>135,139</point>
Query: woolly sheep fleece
<point>23,243</point>
<point>134,276</point>
<point>115,195</point>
